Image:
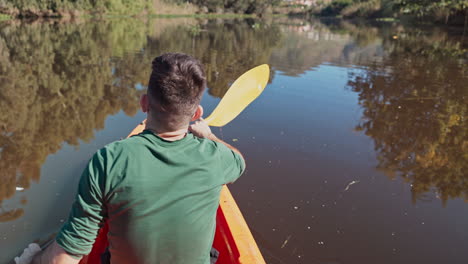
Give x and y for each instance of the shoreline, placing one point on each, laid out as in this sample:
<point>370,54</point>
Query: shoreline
<point>76,15</point>
<point>6,17</point>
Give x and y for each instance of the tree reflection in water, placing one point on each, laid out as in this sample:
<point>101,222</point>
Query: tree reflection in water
<point>59,82</point>
<point>415,106</point>
<point>57,87</point>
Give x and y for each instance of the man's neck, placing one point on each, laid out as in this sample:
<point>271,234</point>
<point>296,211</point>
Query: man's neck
<point>169,135</point>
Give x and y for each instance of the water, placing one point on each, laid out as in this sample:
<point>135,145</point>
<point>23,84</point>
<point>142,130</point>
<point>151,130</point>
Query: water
<point>357,151</point>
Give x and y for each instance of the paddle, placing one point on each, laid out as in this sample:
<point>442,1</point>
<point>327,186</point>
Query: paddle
<point>242,92</point>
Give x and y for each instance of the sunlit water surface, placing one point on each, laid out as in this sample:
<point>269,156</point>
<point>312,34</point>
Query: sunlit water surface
<point>357,151</point>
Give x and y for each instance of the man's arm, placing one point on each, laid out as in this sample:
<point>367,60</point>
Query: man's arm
<point>78,234</point>
<point>54,254</point>
<point>229,158</point>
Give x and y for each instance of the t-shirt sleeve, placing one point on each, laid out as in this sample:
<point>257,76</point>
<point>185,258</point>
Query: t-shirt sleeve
<point>232,163</point>
<point>78,234</point>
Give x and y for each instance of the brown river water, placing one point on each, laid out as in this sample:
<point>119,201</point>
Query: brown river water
<point>357,150</point>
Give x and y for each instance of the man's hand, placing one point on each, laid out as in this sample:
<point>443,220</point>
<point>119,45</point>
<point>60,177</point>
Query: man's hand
<point>200,129</point>
<point>28,254</point>
<point>53,254</point>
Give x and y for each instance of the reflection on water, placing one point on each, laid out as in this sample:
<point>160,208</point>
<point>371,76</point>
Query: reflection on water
<point>61,82</point>
<point>227,48</point>
<point>54,92</point>
<point>305,46</point>
<point>415,107</point>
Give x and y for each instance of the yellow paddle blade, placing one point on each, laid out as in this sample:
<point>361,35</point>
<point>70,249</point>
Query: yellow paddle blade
<point>241,93</point>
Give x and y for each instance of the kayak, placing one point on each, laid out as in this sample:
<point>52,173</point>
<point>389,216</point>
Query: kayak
<point>233,239</point>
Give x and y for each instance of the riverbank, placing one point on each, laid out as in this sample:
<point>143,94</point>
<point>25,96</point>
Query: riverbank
<point>70,10</point>
<point>453,13</point>
<point>35,9</point>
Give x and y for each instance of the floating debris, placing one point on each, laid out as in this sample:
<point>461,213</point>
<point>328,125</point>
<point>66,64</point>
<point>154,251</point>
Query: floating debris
<point>235,139</point>
<point>321,243</point>
<point>349,185</point>
<point>19,188</point>
<point>286,241</point>
<point>296,207</point>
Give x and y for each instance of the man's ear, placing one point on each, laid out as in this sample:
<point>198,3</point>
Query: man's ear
<point>198,113</point>
<point>144,103</point>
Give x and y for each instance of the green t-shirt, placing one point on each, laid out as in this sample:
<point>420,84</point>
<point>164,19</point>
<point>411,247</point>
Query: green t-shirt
<point>159,198</point>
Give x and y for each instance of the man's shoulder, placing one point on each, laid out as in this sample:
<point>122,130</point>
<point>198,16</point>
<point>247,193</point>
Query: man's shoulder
<point>122,146</point>
<point>208,144</point>
<point>217,148</point>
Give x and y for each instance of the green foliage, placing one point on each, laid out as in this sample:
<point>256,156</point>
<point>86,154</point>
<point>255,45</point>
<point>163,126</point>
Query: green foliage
<point>4,17</point>
<point>124,6</point>
<point>62,7</point>
<point>335,7</point>
<point>127,7</point>
<point>427,7</point>
<point>439,10</point>
<point>369,8</point>
<point>435,10</point>
<point>53,5</point>
<point>237,6</point>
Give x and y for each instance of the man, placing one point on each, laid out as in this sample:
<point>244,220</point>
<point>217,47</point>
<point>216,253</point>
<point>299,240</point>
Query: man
<point>158,190</point>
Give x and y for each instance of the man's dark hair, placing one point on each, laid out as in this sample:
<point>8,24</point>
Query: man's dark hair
<point>176,85</point>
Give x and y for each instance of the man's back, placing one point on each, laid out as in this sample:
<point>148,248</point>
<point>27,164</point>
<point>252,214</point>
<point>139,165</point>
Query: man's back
<point>159,198</point>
